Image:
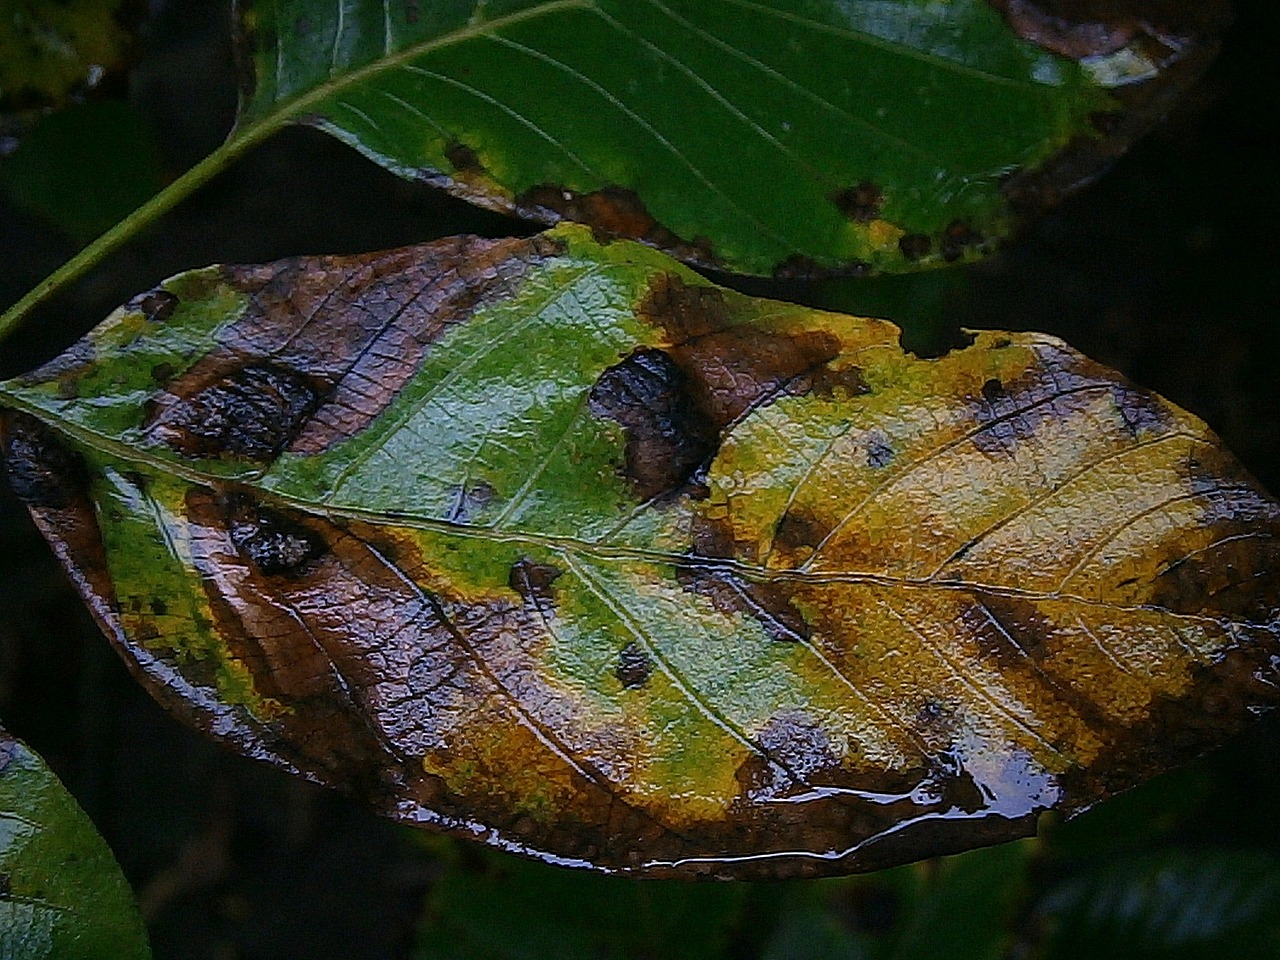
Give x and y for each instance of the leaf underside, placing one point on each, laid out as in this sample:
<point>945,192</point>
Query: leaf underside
<point>61,894</point>
<point>556,545</point>
<point>757,136</point>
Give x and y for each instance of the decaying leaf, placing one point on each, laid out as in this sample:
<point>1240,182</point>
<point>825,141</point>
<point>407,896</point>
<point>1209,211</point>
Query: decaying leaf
<point>558,546</point>
<point>759,136</point>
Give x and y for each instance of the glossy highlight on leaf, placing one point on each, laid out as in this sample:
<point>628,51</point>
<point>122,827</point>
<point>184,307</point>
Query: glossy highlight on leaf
<point>758,136</point>
<point>61,894</point>
<point>556,545</point>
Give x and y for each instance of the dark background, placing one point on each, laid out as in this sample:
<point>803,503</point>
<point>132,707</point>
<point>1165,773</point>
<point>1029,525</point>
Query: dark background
<point>1165,269</point>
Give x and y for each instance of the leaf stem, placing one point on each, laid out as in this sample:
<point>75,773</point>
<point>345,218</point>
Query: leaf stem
<point>136,222</point>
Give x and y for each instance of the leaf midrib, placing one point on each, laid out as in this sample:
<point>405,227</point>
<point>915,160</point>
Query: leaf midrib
<point>119,450</point>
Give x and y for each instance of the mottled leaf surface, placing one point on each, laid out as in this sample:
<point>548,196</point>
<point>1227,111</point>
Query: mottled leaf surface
<point>559,546</point>
<point>775,137</point>
<point>61,894</point>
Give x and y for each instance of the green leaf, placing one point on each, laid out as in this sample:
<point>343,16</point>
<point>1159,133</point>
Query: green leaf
<point>556,545</point>
<point>780,137</point>
<point>61,894</point>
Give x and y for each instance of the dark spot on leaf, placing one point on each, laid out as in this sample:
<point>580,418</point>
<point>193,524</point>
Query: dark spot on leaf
<point>879,452</point>
<point>992,391</point>
<point>6,885</point>
<point>930,345</point>
<point>1143,413</point>
<point>42,471</point>
<point>158,607</point>
<point>861,203</point>
<point>253,412</point>
<point>797,529</point>
<point>956,238</point>
<point>1001,344</point>
<point>273,542</point>
<point>668,436</point>
<point>768,603</point>
<point>610,213</point>
<point>463,158</point>
<point>533,581</point>
<point>162,372</point>
<point>470,499</point>
<point>156,305</point>
<point>634,666</point>
<point>915,245</point>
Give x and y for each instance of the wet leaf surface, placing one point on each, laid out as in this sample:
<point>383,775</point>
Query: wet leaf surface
<point>61,893</point>
<point>558,546</point>
<point>775,137</point>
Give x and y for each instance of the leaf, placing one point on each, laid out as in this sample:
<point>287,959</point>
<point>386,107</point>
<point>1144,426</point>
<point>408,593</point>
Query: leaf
<point>558,546</point>
<point>760,136</point>
<point>61,893</point>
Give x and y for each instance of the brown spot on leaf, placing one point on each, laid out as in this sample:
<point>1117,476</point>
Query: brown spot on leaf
<point>156,305</point>
<point>253,412</point>
<point>957,237</point>
<point>734,368</point>
<point>42,471</point>
<point>915,246</point>
<point>463,158</point>
<point>533,581</point>
<point>611,212</point>
<point>634,666</point>
<point>861,203</point>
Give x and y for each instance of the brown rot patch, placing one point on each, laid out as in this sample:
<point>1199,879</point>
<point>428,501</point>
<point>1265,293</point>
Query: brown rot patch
<point>611,213</point>
<point>252,412</point>
<point>734,368</point>
<point>533,581</point>
<point>915,246</point>
<point>463,158</point>
<point>634,666</point>
<point>41,470</point>
<point>668,435</point>
<point>798,529</point>
<point>861,203</point>
<point>272,542</point>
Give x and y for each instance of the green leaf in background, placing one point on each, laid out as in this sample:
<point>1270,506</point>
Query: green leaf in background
<point>1190,904</point>
<point>781,137</point>
<point>61,894</point>
<point>85,168</point>
<point>557,545</point>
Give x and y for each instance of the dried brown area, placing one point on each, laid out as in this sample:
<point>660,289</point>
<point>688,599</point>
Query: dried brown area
<point>612,213</point>
<point>326,343</point>
<point>861,203</point>
<point>674,403</point>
